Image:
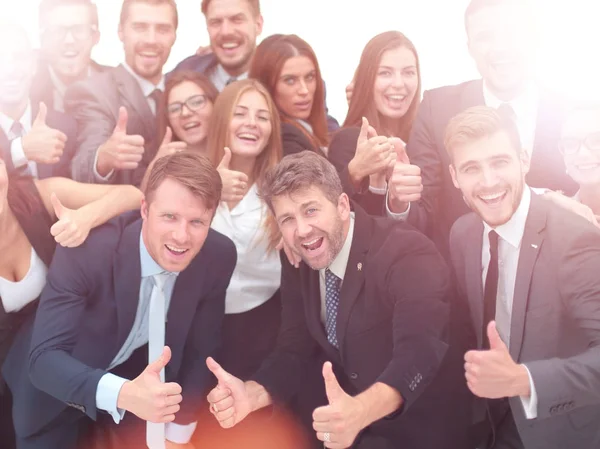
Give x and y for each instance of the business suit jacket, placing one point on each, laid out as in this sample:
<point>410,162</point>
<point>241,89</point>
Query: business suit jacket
<point>441,203</point>
<point>95,103</point>
<point>42,88</point>
<point>56,120</point>
<point>392,327</point>
<point>555,324</point>
<point>86,313</point>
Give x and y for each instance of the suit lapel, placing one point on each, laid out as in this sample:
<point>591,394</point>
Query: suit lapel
<point>473,277</point>
<point>310,282</point>
<point>131,90</point>
<point>530,249</point>
<point>472,95</point>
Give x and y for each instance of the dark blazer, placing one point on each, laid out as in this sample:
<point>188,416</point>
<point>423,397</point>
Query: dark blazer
<point>85,315</point>
<point>95,103</point>
<point>56,120</point>
<point>392,327</point>
<point>42,88</point>
<point>441,203</point>
<point>555,323</point>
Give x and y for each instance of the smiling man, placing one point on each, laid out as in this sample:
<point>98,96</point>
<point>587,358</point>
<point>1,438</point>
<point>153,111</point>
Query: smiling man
<point>371,296</point>
<point>537,364</point>
<point>139,296</point>
<point>116,111</point>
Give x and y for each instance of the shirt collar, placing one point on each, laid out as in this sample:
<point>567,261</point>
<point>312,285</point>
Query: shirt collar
<point>524,105</point>
<point>512,231</point>
<point>338,265</point>
<point>250,202</point>
<point>57,82</point>
<point>222,74</point>
<point>148,264</point>
<point>6,122</point>
<point>147,86</point>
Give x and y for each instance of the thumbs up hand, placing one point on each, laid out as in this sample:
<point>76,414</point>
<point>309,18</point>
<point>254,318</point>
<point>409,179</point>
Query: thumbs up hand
<point>229,401</point>
<point>493,374</point>
<point>168,146</point>
<point>147,397</point>
<point>42,143</point>
<point>121,151</point>
<point>338,423</point>
<point>405,184</point>
<point>235,183</point>
<point>72,227</point>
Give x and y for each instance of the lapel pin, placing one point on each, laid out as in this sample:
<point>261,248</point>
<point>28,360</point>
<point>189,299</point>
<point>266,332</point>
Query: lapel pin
<point>534,246</point>
<point>359,266</point>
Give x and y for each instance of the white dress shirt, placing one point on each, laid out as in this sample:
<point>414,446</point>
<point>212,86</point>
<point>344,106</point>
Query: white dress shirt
<point>220,77</point>
<point>16,295</point>
<point>147,88</point>
<point>16,145</point>
<point>257,273</point>
<point>337,266</point>
<point>59,89</point>
<point>509,247</point>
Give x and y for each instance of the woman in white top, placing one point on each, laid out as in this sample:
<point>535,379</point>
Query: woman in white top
<point>244,142</point>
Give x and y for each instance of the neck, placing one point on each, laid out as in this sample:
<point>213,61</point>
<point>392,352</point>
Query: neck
<point>245,165</point>
<point>589,194</point>
<point>8,224</point>
<point>508,95</point>
<point>69,80</point>
<point>15,111</point>
<point>199,148</point>
<point>237,71</point>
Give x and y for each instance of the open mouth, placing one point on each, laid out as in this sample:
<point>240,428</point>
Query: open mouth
<point>313,245</point>
<point>396,101</point>
<point>303,105</point>
<point>70,54</point>
<point>149,56</point>
<point>191,125</point>
<point>230,47</point>
<point>493,199</point>
<point>176,251</point>
<point>590,166</point>
<point>247,137</point>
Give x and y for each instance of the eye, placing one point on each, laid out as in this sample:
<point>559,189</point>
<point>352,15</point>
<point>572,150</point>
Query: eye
<point>169,216</point>
<point>164,29</point>
<point>471,169</point>
<point>197,223</point>
<point>310,77</point>
<point>311,211</point>
<point>289,81</point>
<point>410,72</point>
<point>384,73</point>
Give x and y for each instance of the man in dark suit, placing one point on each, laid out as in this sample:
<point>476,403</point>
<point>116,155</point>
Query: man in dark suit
<point>500,41</point>
<point>372,297</point>
<point>117,110</point>
<point>69,32</point>
<point>537,367</point>
<point>98,340</point>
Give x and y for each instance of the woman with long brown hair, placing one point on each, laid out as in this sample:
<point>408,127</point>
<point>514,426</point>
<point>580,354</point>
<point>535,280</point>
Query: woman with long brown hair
<point>383,106</point>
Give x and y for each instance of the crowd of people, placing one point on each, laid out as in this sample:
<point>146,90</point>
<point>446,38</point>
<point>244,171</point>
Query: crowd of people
<point>204,257</point>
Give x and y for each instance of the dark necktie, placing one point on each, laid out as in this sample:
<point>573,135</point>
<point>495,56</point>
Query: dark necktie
<point>491,288</point>
<point>157,96</point>
<point>332,301</point>
<point>230,80</point>
<point>507,110</point>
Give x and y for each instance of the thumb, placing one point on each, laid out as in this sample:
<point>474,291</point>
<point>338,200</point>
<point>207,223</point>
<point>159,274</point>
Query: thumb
<point>332,387</point>
<point>400,150</point>
<point>494,337</point>
<point>364,130</point>
<point>59,209</point>
<point>221,375</point>
<point>226,159</point>
<point>40,118</point>
<point>122,120</point>
<point>161,362</point>
<point>168,136</point>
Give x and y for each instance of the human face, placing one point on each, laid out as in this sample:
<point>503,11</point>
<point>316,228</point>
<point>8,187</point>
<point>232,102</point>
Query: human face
<point>250,127</point>
<point>175,225</point>
<point>192,122</point>
<point>17,66</point>
<point>501,43</point>
<point>296,86</point>
<point>148,35</point>
<point>67,40</point>
<point>314,226</point>
<point>582,129</point>
<point>233,29</point>
<point>490,173</point>
<point>396,83</point>
<point>3,187</point>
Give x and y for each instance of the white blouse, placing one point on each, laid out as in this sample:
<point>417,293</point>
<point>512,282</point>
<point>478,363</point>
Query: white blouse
<point>257,274</point>
<point>16,295</point>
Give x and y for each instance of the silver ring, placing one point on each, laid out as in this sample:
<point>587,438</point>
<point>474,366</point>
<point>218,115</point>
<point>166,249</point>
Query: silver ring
<point>214,407</point>
<point>327,437</point>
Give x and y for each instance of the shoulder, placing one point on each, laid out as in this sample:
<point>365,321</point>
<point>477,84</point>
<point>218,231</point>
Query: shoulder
<point>344,137</point>
<point>219,247</point>
<point>463,227</point>
<point>64,122</point>
<point>445,93</point>
<point>294,140</point>
<point>196,63</point>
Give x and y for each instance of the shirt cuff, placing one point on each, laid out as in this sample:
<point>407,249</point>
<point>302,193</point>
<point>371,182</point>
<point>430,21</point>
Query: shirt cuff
<point>97,175</point>
<point>17,153</point>
<point>179,433</point>
<point>530,404</point>
<point>540,190</point>
<point>107,394</point>
<point>402,216</point>
<point>378,190</point>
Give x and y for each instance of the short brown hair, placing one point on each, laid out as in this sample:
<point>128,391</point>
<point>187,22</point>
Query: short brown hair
<point>254,5</point>
<point>127,3</point>
<point>190,169</point>
<point>476,123</point>
<point>298,172</point>
<point>477,5</point>
<point>47,6</point>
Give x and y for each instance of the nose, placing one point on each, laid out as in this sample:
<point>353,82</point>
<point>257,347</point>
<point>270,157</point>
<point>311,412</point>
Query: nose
<point>398,80</point>
<point>302,88</point>
<point>303,228</point>
<point>185,111</point>
<point>226,28</point>
<point>180,232</point>
<point>150,36</point>
<point>488,177</point>
<point>69,39</point>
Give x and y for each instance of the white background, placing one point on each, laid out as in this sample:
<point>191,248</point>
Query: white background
<point>569,33</point>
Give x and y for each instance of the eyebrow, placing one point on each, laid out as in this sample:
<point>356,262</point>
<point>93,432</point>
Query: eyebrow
<point>287,75</point>
<point>246,108</point>
<point>403,68</point>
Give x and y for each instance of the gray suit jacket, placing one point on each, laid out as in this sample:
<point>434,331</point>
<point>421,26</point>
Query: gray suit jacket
<point>555,324</point>
<point>95,105</point>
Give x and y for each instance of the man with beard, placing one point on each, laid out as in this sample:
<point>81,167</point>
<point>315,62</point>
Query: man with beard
<point>537,366</point>
<point>371,296</point>
<point>501,41</point>
<point>116,111</point>
<point>69,32</point>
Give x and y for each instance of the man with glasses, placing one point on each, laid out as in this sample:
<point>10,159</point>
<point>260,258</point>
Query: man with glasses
<point>68,33</point>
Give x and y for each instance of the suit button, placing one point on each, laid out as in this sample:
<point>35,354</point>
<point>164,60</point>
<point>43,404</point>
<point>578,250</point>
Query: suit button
<point>354,376</point>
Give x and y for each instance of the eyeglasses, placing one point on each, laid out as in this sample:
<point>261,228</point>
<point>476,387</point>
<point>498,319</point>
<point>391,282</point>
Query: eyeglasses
<point>79,32</point>
<point>194,103</point>
<point>571,145</point>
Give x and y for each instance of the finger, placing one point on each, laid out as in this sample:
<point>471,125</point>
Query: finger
<point>222,376</point>
<point>322,414</point>
<point>135,140</point>
<point>217,395</point>
<point>473,356</point>
<point>177,146</point>
<point>40,118</point>
<point>321,426</point>
<point>224,415</point>
<point>364,131</point>
<point>122,121</point>
<point>279,246</point>
<point>168,136</point>
<point>224,404</point>
<point>494,337</point>
<point>332,387</point>
<point>171,389</point>
<point>161,362</point>
<point>226,159</point>
<point>128,149</point>
<point>227,423</point>
<point>69,235</point>
<point>57,206</point>
<point>171,409</point>
<point>167,418</point>
<point>62,137</point>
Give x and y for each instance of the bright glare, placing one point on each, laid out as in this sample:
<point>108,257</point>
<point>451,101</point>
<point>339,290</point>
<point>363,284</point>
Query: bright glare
<point>569,60</point>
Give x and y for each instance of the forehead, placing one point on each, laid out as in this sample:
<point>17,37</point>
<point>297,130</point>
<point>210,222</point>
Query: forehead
<point>13,38</point>
<point>292,203</point>
<point>398,57</point>
<point>173,197</point>
<point>69,15</point>
<point>184,90</point>
<point>227,8</point>
<point>154,14</point>
<point>582,122</point>
<point>252,99</point>
<point>297,65</point>
<point>496,17</point>
<point>483,149</point>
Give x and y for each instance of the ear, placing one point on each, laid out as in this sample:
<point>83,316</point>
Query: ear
<point>121,34</point>
<point>525,160</point>
<point>144,208</point>
<point>259,24</point>
<point>344,206</point>
<point>96,38</point>
<point>453,175</point>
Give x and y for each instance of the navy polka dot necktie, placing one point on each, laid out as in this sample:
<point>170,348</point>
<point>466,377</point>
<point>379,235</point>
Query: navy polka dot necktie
<point>332,301</point>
